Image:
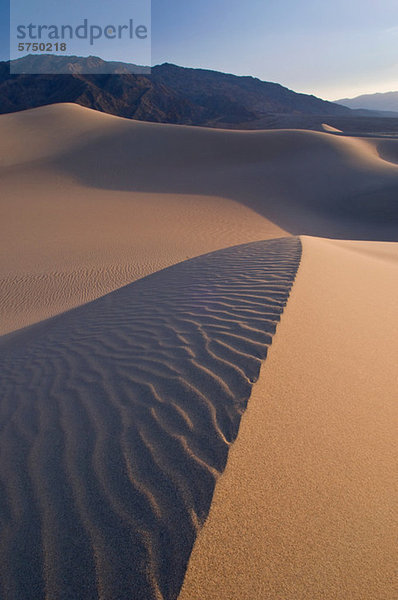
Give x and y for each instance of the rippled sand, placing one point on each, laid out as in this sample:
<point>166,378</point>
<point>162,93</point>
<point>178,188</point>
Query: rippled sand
<point>117,418</point>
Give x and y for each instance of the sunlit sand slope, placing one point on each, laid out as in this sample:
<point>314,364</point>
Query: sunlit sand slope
<point>307,506</point>
<point>117,418</point>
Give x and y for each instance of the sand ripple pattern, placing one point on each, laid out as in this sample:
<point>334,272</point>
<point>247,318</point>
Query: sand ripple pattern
<point>116,419</point>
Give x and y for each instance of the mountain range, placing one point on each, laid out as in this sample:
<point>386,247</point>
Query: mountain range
<point>387,101</point>
<point>171,94</point>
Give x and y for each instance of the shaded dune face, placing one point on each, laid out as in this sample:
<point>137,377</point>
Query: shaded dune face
<point>305,182</point>
<point>116,420</point>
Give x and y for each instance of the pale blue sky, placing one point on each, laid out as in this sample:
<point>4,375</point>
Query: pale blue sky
<point>331,49</point>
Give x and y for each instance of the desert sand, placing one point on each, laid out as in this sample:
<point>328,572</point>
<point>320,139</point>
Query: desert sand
<point>145,272</point>
<point>117,417</point>
<point>307,506</point>
<point>91,202</point>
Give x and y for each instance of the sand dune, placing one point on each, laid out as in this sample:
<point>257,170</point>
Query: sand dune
<point>91,202</point>
<point>330,128</point>
<point>65,243</point>
<point>116,419</point>
<point>307,505</point>
<point>387,149</point>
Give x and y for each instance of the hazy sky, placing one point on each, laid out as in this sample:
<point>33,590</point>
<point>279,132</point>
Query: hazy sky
<point>331,49</point>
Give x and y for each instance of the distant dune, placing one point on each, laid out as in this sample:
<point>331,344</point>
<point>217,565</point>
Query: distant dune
<point>330,129</point>
<point>144,272</point>
<point>91,202</point>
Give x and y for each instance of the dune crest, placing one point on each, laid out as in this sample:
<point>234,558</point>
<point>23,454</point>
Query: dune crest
<point>330,128</point>
<point>117,418</point>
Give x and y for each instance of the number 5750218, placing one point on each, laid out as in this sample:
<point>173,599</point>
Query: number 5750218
<point>41,47</point>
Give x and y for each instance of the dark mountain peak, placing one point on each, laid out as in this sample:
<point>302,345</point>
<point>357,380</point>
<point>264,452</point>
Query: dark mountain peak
<point>168,93</point>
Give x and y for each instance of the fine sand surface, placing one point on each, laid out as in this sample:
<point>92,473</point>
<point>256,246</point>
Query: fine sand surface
<point>307,506</point>
<point>90,202</point>
<point>116,420</point>
<point>144,269</point>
